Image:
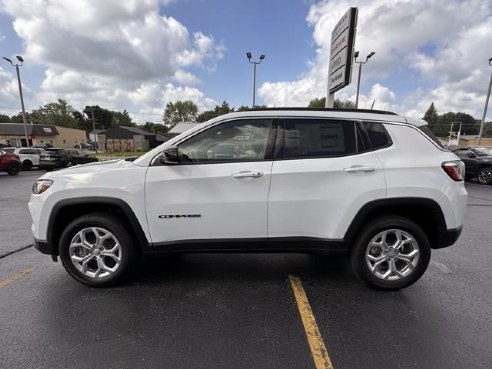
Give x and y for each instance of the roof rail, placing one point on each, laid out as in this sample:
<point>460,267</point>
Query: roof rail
<point>322,109</point>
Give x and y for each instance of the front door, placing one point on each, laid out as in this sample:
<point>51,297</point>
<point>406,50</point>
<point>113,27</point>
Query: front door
<point>219,188</point>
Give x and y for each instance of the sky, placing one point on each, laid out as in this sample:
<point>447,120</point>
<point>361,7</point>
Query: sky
<point>139,55</point>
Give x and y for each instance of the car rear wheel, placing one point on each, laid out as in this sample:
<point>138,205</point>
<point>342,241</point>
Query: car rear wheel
<point>26,165</point>
<point>97,250</point>
<point>391,252</point>
<point>484,175</point>
<point>13,169</point>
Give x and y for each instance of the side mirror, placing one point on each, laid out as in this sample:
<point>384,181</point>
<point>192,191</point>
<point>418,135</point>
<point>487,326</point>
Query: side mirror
<point>170,156</point>
<point>471,155</point>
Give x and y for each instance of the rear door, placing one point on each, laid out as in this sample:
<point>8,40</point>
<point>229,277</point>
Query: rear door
<point>323,173</point>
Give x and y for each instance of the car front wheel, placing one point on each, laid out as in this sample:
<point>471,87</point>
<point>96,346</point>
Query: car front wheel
<point>391,252</point>
<point>97,250</point>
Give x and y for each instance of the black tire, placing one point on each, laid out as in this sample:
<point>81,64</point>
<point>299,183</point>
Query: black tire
<point>26,165</point>
<point>13,169</point>
<point>116,227</point>
<point>484,175</point>
<point>69,163</point>
<point>373,229</point>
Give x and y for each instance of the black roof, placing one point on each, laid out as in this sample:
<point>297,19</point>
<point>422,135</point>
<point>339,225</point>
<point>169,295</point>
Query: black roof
<point>17,129</point>
<point>122,132</point>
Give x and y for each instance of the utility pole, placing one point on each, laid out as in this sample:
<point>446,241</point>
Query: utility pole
<point>486,105</point>
<point>24,118</point>
<point>356,54</point>
<point>94,127</point>
<point>262,56</point>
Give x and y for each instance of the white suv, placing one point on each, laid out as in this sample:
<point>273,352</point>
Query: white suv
<point>29,156</point>
<point>370,184</point>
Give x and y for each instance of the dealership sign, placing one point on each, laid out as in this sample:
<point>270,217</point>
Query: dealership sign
<point>341,51</point>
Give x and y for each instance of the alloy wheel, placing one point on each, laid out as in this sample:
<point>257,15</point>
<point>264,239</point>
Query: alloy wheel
<point>392,254</point>
<point>95,252</point>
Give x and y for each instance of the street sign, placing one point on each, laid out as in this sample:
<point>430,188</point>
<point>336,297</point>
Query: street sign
<point>341,51</point>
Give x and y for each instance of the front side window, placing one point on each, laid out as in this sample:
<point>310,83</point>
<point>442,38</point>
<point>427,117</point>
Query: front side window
<point>318,138</point>
<point>243,140</point>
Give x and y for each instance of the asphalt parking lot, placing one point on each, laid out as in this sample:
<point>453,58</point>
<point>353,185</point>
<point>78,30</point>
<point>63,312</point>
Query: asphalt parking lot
<point>242,311</point>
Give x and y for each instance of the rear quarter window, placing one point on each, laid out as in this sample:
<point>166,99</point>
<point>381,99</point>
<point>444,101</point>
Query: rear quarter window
<point>378,136</point>
<point>432,136</point>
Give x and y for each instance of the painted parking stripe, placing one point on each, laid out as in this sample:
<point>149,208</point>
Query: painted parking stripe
<point>15,277</point>
<point>316,343</point>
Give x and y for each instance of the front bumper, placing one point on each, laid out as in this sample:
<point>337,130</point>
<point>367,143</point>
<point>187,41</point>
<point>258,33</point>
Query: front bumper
<point>45,248</point>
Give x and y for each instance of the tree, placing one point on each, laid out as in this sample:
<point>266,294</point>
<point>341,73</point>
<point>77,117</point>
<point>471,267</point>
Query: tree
<point>317,103</point>
<point>122,119</point>
<point>59,113</point>
<point>338,104</point>
<point>4,118</point>
<point>180,111</point>
<point>347,104</point>
<point>103,118</point>
<point>431,115</point>
<point>155,128</point>
<point>444,122</point>
<point>18,118</point>
<point>217,111</point>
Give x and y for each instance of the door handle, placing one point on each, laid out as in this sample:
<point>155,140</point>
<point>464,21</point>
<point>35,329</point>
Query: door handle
<point>249,174</point>
<point>359,168</point>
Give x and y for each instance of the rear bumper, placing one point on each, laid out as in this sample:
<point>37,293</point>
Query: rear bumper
<point>50,164</point>
<point>447,237</point>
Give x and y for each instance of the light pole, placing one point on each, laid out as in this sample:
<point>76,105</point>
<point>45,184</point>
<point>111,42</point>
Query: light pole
<point>262,56</point>
<point>485,109</point>
<point>21,61</point>
<point>356,54</point>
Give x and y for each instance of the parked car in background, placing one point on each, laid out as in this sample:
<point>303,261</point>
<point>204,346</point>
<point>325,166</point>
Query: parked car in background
<point>86,146</point>
<point>9,162</point>
<point>478,163</point>
<point>64,158</point>
<point>43,146</point>
<point>29,156</point>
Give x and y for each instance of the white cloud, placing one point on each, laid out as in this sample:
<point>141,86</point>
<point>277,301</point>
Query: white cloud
<point>103,52</point>
<point>444,41</point>
<point>185,78</point>
<point>9,93</point>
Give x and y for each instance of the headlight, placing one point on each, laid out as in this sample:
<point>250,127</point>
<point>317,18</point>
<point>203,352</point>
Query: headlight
<point>41,185</point>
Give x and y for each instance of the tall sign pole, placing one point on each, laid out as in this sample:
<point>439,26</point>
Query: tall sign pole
<point>341,54</point>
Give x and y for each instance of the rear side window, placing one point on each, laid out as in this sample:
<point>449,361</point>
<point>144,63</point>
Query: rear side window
<point>28,151</point>
<point>377,134</point>
<point>313,138</point>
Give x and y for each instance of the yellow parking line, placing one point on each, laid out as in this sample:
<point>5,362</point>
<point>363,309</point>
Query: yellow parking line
<point>15,277</point>
<point>316,344</point>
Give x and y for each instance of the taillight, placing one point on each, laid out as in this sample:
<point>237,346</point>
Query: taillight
<point>455,169</point>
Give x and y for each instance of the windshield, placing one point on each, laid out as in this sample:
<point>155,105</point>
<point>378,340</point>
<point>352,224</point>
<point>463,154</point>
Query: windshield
<point>483,151</point>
